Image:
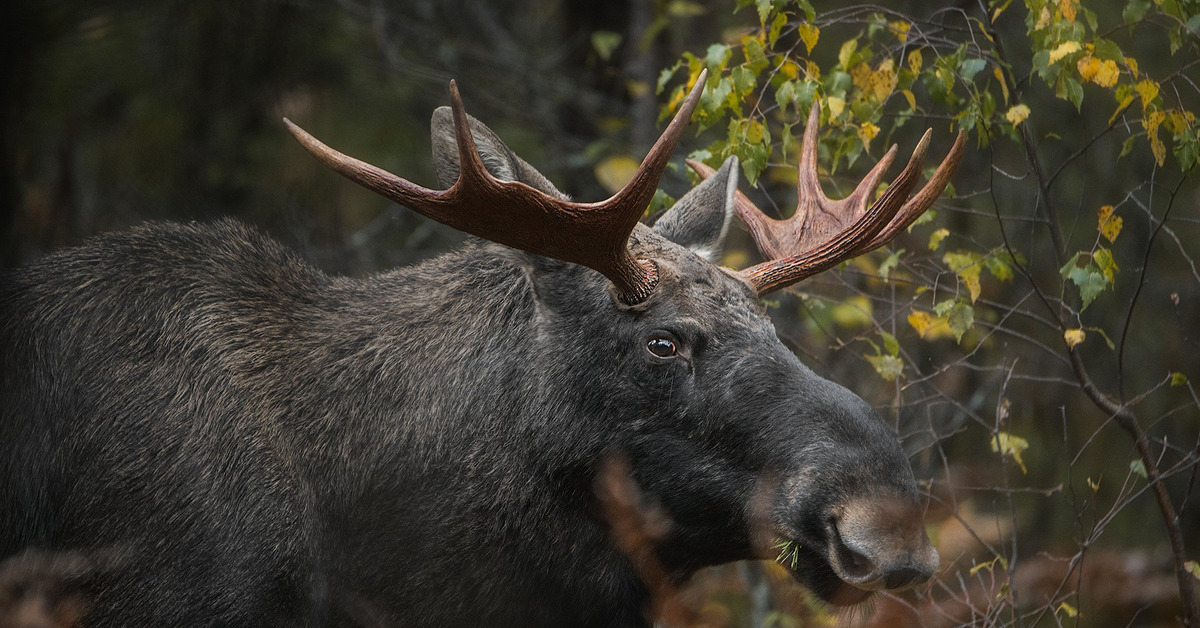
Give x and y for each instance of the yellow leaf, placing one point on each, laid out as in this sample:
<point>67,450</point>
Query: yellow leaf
<point>790,69</point>
<point>1095,486</point>
<point>967,266</point>
<point>1152,120</point>
<point>1017,114</point>
<point>1074,337</point>
<point>1132,64</point>
<point>1067,609</point>
<point>1087,66</point>
<point>1159,149</point>
<point>1043,19</point>
<point>1067,9</point>
<point>836,105</point>
<point>900,30</point>
<point>883,79</point>
<point>1124,104</point>
<point>1179,120</point>
<point>813,70</point>
<point>1109,225</point>
<point>1107,74</point>
<point>1000,79</point>
<point>860,75</point>
<point>855,312</point>
<point>867,132</point>
<point>1147,90</point>
<point>615,172</point>
<point>928,326</point>
<point>846,51</point>
<point>935,238</point>
<point>809,35</point>
<point>999,10</point>
<point>912,101</point>
<point>1192,568</point>
<point>1012,446</point>
<point>1063,50</point>
<point>915,61</point>
<point>1101,72</point>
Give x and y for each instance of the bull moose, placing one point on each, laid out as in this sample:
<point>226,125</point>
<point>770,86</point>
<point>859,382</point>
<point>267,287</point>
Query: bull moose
<point>265,444</point>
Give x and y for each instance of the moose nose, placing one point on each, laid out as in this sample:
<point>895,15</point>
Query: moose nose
<point>881,544</point>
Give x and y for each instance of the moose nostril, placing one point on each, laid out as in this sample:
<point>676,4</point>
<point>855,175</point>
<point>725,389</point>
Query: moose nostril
<point>904,577</point>
<point>855,564</point>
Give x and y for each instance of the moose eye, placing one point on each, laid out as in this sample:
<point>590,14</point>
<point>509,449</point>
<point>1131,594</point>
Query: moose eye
<point>662,346</point>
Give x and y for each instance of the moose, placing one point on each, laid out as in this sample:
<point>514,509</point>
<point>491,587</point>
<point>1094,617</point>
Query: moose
<point>261,443</point>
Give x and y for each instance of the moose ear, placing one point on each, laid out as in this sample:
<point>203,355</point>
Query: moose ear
<point>497,158</point>
<point>699,220</point>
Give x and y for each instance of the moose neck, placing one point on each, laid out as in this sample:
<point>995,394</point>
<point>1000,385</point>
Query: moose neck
<point>452,463</point>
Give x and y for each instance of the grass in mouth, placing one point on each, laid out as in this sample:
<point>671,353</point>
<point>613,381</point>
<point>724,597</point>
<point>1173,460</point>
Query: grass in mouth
<point>789,552</point>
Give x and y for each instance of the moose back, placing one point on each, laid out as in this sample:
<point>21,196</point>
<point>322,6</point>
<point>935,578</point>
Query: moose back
<point>250,441</point>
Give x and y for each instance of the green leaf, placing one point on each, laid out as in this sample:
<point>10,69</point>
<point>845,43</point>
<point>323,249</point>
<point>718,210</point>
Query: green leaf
<point>997,264</point>
<point>1090,283</point>
<point>605,42</point>
<point>715,99</point>
<point>1108,49</point>
<point>1090,279</point>
<point>764,9</point>
<point>1126,146</point>
<point>809,12</point>
<point>744,81</point>
<point>1138,467</point>
<point>1071,90</point>
<point>664,77</point>
<point>789,143</point>
<point>970,67</point>
<point>753,158</point>
<point>716,57</point>
<point>885,268</point>
<point>785,94</point>
<point>960,318</point>
<point>1104,261</point>
<point>756,58</point>
<point>890,344</point>
<point>777,24</point>
<point>1041,63</point>
<point>889,367</point>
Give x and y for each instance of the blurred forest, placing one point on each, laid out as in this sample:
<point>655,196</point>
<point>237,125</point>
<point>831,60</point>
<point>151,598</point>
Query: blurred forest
<point>1034,344</point>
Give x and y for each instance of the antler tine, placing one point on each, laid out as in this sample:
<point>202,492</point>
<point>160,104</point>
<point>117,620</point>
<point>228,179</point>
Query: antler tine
<point>470,166</point>
<point>928,193</point>
<point>595,235</point>
<point>817,236</point>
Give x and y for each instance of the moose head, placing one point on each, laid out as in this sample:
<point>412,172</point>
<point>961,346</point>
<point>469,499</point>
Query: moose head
<point>653,351</point>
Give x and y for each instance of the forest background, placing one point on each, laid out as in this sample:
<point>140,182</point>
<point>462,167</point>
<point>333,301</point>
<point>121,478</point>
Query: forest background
<point>1034,342</point>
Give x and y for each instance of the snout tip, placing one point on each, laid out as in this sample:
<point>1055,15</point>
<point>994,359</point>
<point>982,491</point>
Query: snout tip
<point>874,547</point>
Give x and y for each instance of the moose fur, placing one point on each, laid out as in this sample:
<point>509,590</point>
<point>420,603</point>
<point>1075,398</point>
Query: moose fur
<point>265,444</point>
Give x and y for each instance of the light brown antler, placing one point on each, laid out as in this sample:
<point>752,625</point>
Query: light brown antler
<point>592,234</point>
<point>824,232</point>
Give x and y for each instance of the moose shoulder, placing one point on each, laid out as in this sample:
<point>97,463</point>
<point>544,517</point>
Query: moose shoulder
<point>263,444</point>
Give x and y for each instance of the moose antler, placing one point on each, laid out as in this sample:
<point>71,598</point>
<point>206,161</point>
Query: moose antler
<point>595,235</point>
<point>823,232</point>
